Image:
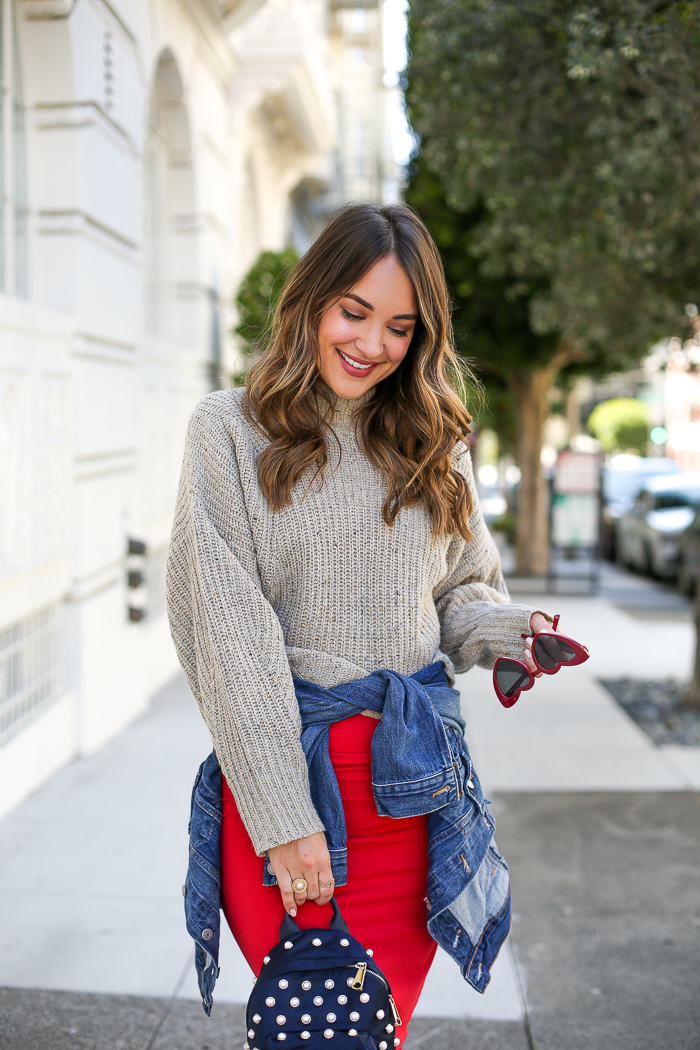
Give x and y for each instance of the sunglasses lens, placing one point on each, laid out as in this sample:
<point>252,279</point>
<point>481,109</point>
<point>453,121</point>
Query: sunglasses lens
<point>551,651</point>
<point>511,677</point>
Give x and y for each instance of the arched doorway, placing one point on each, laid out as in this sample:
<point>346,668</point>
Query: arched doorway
<point>169,246</point>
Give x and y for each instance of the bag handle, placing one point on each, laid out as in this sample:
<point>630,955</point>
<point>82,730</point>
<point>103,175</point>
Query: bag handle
<point>289,926</point>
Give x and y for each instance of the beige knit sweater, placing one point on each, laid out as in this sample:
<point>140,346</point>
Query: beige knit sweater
<point>322,590</point>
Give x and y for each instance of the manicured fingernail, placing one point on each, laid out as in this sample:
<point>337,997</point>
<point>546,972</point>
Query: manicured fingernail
<point>293,912</point>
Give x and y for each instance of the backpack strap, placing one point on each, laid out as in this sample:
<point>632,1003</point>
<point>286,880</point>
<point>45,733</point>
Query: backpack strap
<point>289,926</point>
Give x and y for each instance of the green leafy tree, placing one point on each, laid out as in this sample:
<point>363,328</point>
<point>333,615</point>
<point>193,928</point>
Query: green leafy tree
<point>576,129</point>
<point>621,425</point>
<point>490,316</point>
<point>256,300</point>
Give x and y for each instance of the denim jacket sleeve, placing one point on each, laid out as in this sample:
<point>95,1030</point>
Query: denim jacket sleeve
<point>478,623</point>
<point>202,889</point>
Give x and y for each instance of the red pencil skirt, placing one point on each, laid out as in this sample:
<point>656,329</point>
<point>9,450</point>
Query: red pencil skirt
<point>383,902</point>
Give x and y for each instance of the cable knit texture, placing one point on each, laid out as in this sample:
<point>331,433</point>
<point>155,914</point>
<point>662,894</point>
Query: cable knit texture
<point>323,590</point>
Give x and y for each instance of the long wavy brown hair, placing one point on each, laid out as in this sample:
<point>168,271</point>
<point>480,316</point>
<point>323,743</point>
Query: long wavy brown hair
<point>411,421</point>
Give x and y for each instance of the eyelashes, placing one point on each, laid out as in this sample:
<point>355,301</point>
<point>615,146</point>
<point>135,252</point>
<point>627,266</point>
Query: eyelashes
<point>359,317</point>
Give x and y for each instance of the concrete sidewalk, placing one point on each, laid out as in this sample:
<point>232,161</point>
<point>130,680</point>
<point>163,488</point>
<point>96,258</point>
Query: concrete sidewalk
<point>567,733</point>
<point>599,826</point>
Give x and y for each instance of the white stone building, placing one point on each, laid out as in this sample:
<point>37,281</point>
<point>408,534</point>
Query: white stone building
<point>150,150</point>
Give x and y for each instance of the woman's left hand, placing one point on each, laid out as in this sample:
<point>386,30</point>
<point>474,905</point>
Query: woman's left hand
<point>538,622</point>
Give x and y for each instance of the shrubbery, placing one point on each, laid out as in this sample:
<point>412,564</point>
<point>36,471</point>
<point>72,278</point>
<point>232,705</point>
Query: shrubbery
<point>256,300</point>
<point>621,425</point>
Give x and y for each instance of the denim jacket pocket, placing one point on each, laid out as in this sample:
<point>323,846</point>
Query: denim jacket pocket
<point>417,797</point>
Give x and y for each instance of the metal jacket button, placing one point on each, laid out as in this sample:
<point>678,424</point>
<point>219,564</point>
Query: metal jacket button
<point>207,934</point>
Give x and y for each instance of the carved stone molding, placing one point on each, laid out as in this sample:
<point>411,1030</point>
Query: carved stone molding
<point>236,12</point>
<point>41,9</point>
<point>282,73</point>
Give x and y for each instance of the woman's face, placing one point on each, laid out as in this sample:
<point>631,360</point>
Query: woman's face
<point>364,336</point>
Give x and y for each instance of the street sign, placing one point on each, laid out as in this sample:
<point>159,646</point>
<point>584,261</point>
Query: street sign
<point>577,472</point>
<point>575,518</point>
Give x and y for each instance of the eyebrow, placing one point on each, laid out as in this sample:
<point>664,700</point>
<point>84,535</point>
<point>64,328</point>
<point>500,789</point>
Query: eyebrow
<point>368,306</point>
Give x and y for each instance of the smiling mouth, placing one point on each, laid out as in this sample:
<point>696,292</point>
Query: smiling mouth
<point>357,364</point>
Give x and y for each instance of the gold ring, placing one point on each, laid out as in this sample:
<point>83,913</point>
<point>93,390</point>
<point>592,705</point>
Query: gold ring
<point>300,885</point>
<point>324,884</point>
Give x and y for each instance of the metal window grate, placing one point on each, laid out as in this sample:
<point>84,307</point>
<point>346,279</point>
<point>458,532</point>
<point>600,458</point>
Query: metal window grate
<point>31,668</point>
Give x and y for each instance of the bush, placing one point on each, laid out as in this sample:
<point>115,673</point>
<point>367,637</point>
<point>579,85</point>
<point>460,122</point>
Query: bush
<point>621,425</point>
<point>256,300</point>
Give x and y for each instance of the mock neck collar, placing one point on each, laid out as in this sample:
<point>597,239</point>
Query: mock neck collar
<point>345,409</point>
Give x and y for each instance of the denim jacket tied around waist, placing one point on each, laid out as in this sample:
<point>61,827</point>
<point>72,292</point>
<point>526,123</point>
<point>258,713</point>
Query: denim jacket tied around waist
<point>420,765</point>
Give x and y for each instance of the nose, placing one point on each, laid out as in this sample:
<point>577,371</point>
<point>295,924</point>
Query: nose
<point>370,346</point>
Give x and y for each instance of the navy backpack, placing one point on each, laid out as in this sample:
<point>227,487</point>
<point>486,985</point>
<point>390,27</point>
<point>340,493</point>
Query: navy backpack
<point>321,988</point>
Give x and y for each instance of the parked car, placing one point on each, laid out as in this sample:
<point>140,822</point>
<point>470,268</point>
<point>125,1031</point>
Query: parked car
<point>623,479</point>
<point>648,535</point>
<point>688,547</point>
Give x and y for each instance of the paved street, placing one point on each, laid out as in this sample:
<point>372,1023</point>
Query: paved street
<point>601,829</point>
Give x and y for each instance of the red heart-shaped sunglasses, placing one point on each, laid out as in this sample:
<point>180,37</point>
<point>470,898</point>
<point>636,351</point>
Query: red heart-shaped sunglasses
<point>550,651</point>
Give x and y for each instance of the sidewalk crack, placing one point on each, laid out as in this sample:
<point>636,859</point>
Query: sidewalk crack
<point>521,988</point>
<point>167,1008</point>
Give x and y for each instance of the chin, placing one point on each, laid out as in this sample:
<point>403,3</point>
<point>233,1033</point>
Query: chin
<point>347,387</point>
<point>350,390</point>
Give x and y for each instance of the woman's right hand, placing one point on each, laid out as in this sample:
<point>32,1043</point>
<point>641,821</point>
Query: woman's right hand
<point>306,858</point>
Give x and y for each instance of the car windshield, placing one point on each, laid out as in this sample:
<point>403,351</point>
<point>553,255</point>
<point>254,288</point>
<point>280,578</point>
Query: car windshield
<point>669,500</point>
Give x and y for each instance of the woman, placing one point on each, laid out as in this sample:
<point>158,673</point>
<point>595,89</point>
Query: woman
<point>328,528</point>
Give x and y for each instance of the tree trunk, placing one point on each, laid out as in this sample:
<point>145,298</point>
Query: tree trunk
<point>692,694</point>
<point>531,390</point>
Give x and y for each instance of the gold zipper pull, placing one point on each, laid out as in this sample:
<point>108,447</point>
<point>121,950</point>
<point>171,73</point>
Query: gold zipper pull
<point>395,1012</point>
<point>359,981</point>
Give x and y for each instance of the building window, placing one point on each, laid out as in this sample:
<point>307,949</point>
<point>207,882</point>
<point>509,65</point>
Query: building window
<point>13,160</point>
<point>30,668</point>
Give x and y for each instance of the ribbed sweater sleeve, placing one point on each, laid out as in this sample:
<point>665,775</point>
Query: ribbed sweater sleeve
<point>230,642</point>
<point>478,623</point>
